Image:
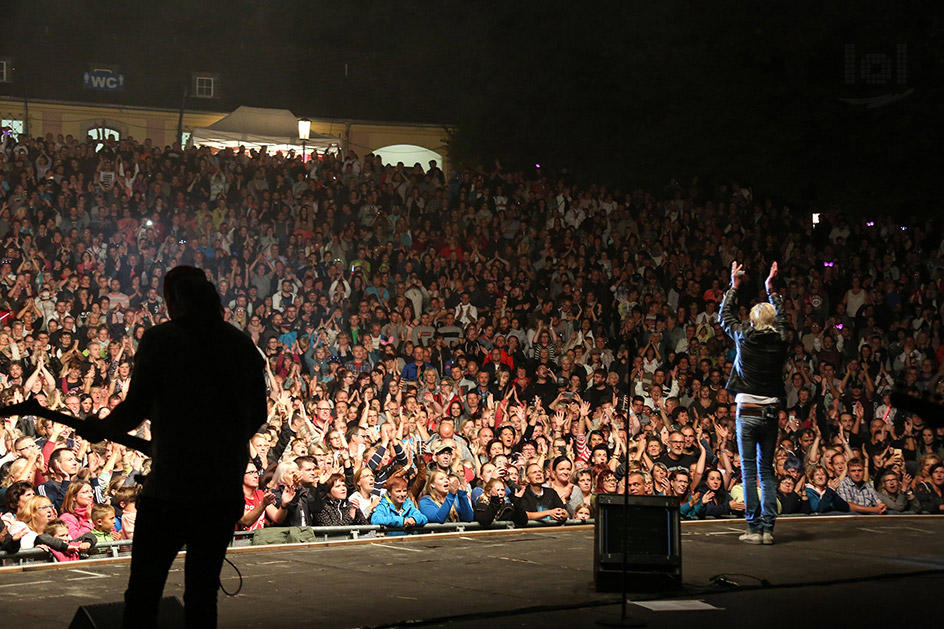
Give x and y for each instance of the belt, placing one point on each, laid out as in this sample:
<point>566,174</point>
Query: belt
<point>750,412</point>
<point>756,411</point>
<point>758,406</point>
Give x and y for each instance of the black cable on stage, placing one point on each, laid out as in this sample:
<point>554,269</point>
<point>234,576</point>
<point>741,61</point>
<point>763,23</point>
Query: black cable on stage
<point>722,586</point>
<point>884,576</point>
<point>723,580</point>
<point>238,574</point>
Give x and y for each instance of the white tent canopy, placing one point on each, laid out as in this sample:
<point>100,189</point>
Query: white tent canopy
<point>255,127</point>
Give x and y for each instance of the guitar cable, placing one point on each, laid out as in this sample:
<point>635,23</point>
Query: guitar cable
<point>238,574</point>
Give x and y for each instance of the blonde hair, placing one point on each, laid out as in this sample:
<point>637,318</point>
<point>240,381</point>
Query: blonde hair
<point>16,470</point>
<point>282,470</point>
<point>486,493</point>
<point>287,455</point>
<point>29,510</point>
<point>430,489</point>
<point>434,495</point>
<point>763,316</point>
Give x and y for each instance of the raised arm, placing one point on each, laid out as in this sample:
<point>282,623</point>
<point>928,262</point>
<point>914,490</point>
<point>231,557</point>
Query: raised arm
<point>813,454</point>
<point>143,389</point>
<point>251,516</point>
<point>33,377</point>
<point>776,300</point>
<point>728,315</point>
<point>700,465</point>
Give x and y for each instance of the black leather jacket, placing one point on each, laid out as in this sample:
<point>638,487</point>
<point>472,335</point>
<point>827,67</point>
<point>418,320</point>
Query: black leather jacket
<point>758,366</point>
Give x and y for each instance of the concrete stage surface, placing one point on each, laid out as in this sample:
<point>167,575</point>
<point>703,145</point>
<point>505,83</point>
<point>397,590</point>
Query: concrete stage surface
<point>837,572</point>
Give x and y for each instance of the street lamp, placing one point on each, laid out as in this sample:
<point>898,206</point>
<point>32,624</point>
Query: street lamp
<point>304,132</point>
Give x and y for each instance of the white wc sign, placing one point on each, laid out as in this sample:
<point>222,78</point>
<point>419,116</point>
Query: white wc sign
<point>108,81</point>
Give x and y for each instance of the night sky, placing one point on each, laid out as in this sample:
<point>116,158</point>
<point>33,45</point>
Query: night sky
<point>817,105</point>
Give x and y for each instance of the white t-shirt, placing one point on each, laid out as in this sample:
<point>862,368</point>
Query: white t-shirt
<point>747,398</point>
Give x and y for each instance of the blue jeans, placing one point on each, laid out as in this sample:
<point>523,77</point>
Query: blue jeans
<point>757,439</point>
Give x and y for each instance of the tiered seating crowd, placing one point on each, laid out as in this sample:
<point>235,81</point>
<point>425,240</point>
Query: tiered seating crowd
<point>492,345</point>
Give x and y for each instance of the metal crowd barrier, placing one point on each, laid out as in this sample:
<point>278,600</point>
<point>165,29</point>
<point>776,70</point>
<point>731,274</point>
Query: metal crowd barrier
<point>322,533</point>
<point>326,533</point>
<point>337,533</point>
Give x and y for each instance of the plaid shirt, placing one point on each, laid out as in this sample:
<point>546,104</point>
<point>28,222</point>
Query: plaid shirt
<point>862,494</point>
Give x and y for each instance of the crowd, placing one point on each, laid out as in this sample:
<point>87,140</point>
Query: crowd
<point>497,344</point>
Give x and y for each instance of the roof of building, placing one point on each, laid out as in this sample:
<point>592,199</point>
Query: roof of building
<point>269,67</point>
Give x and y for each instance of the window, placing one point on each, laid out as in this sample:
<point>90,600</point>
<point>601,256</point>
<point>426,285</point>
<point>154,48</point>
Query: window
<point>99,134</point>
<point>6,71</point>
<point>409,154</point>
<point>12,125</point>
<point>204,87</point>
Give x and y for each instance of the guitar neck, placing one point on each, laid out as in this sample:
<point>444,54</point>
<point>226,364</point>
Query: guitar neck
<point>33,408</point>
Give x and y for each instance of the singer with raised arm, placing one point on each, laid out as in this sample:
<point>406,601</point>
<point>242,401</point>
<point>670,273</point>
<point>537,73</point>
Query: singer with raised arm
<point>757,385</point>
<point>200,382</point>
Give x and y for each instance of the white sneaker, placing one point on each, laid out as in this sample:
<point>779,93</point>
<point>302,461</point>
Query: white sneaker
<point>751,538</point>
<point>767,538</point>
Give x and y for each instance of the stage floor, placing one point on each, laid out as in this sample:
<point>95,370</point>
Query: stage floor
<point>822,571</point>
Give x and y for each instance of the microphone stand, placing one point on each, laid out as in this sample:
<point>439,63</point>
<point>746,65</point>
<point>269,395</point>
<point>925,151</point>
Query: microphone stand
<point>625,620</point>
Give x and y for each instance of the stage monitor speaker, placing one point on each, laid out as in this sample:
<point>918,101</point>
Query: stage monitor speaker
<point>652,532</point>
<point>170,614</point>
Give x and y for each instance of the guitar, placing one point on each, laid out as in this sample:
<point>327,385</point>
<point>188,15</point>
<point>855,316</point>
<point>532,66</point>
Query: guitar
<point>32,407</point>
